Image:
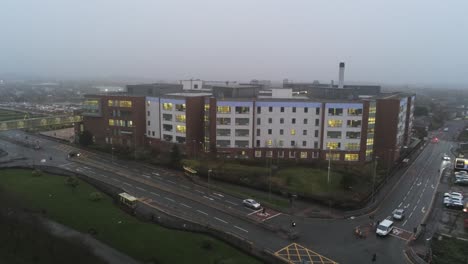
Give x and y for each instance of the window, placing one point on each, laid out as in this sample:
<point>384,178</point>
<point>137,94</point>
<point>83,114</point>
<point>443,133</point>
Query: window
<point>258,153</point>
<point>149,132</point>
<point>306,109</point>
<point>242,110</point>
<point>371,120</point>
<point>352,146</point>
<point>317,122</point>
<point>305,121</point>
<point>111,122</point>
<point>130,123</point>
<point>269,143</point>
<point>334,156</point>
<point>149,123</point>
<point>223,121</point>
<point>316,146</point>
<point>333,145</point>
<point>110,103</point>
<point>148,113</point>
<point>242,144</point>
<point>333,134</point>
<point>304,132</point>
<point>167,128</point>
<point>269,131</point>
<point>207,107</point>
<point>153,133</point>
<point>293,131</point>
<point>180,118</point>
<point>167,137</point>
<point>281,131</point>
<point>125,103</point>
<point>354,111</point>
<point>370,141</point>
<point>180,107</point>
<point>281,120</point>
<point>167,117</point>
<point>242,121</point>
<point>258,121</point>
<point>242,132</point>
<point>258,143</point>
<point>282,109</point>
<point>223,109</point>
<point>353,135</point>
<point>353,123</point>
<point>270,109</point>
<point>180,129</point>
<point>259,110</point>
<point>167,106</point>
<point>223,143</point>
<point>292,154</point>
<point>351,157</point>
<point>148,103</point>
<point>335,111</point>
<point>294,109</point>
<point>335,123</point>
<point>269,154</point>
<point>258,132</point>
<point>316,133</point>
<point>293,121</point>
<point>281,154</point>
<point>223,132</point>
<point>303,154</point>
<point>293,143</point>
<point>195,86</point>
<point>304,143</point>
<point>270,120</point>
<point>317,111</point>
<point>280,143</point>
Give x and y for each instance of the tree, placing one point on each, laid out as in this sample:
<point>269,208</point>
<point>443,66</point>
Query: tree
<point>175,156</point>
<point>86,138</point>
<point>421,111</point>
<point>72,181</point>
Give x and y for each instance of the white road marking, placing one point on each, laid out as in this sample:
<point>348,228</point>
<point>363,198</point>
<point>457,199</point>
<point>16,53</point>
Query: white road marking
<point>389,217</point>
<point>218,194</point>
<point>255,211</point>
<point>171,181</point>
<point>104,176</point>
<point>241,229</point>
<point>153,193</point>
<point>115,180</point>
<point>221,220</point>
<point>400,204</point>
<point>404,198</point>
<point>154,173</point>
<point>271,216</point>
<point>230,202</point>
<point>432,186</point>
<point>127,184</point>
<point>201,212</point>
<point>404,223</point>
<point>423,210</point>
<point>185,186</point>
<point>198,191</point>
<point>141,189</point>
<point>216,197</point>
<point>415,207</point>
<point>419,200</point>
<point>211,199</point>
<point>167,198</point>
<point>159,178</point>
<point>185,205</point>
<point>410,215</point>
<point>146,176</point>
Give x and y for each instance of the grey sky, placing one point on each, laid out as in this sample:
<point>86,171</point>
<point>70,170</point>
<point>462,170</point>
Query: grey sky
<point>380,41</point>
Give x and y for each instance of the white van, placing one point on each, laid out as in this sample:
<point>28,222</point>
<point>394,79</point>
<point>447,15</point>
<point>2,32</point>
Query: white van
<point>384,228</point>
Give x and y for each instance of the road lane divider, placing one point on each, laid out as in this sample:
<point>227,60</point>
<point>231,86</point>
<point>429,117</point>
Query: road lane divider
<point>240,228</point>
<point>153,193</point>
<point>201,212</point>
<point>141,189</point>
<point>185,205</point>
<point>169,199</point>
<point>227,201</point>
<point>221,220</point>
<point>126,183</point>
<point>209,198</point>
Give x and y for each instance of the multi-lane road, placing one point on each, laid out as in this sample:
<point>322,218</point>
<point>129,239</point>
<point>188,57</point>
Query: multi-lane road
<point>333,238</point>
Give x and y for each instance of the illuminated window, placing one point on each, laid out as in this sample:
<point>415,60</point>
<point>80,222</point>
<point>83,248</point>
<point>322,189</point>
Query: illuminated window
<point>207,107</point>
<point>167,106</point>
<point>303,154</point>
<point>354,111</point>
<point>148,103</point>
<point>353,123</point>
<point>372,110</point>
<point>180,118</point>
<point>242,110</point>
<point>223,121</point>
<point>111,122</point>
<point>130,123</point>
<point>180,129</point>
<point>370,141</point>
<point>371,120</point>
<point>207,118</point>
<point>351,157</point>
<point>293,131</point>
<point>333,145</point>
<point>269,143</point>
<point>334,156</point>
<point>369,153</point>
<point>125,103</point>
<point>352,146</point>
<point>180,107</point>
<point>110,102</point>
<point>353,135</point>
<point>335,123</point>
<point>224,109</point>
<point>258,153</point>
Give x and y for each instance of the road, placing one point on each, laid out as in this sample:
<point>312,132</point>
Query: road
<point>332,238</point>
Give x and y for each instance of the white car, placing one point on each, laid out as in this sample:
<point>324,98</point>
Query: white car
<point>251,203</point>
<point>398,214</point>
<point>450,200</point>
<point>446,158</point>
<point>384,228</point>
<point>455,195</point>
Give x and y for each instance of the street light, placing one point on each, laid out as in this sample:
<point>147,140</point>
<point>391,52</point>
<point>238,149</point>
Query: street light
<point>375,172</point>
<point>328,179</point>
<point>209,174</point>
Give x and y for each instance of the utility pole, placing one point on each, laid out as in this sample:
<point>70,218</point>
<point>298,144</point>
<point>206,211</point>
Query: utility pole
<point>328,179</point>
<point>373,181</point>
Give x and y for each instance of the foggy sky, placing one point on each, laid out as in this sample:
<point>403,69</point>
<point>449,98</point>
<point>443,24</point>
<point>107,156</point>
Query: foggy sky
<point>380,41</point>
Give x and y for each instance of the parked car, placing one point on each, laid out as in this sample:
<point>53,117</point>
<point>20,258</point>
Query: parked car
<point>455,205</point>
<point>461,181</point>
<point>398,214</point>
<point>454,195</point>
<point>251,203</point>
<point>446,158</point>
<point>449,200</point>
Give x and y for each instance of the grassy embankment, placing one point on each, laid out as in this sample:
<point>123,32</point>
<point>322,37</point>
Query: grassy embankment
<point>143,241</point>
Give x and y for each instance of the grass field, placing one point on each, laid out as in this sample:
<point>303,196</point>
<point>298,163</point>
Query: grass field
<point>449,250</point>
<point>143,241</point>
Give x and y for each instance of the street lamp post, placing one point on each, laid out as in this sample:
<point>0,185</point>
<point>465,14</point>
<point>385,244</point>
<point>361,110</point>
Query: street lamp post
<point>373,181</point>
<point>209,174</point>
<point>328,179</point>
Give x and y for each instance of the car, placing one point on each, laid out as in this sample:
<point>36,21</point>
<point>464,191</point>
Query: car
<point>398,214</point>
<point>446,158</point>
<point>72,154</point>
<point>446,129</point>
<point>455,205</point>
<point>453,195</point>
<point>450,200</point>
<point>461,181</point>
<point>384,228</point>
<point>251,203</point>
<point>435,140</point>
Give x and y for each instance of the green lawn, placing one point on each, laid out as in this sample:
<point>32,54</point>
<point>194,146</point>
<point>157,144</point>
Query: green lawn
<point>449,250</point>
<point>141,240</point>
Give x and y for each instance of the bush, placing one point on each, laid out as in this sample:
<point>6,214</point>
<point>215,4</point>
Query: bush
<point>36,173</point>
<point>206,244</point>
<point>95,196</point>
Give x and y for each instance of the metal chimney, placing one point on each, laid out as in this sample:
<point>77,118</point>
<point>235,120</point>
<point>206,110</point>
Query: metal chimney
<point>341,76</point>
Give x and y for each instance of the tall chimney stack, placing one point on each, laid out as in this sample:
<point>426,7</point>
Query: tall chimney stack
<point>341,76</point>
